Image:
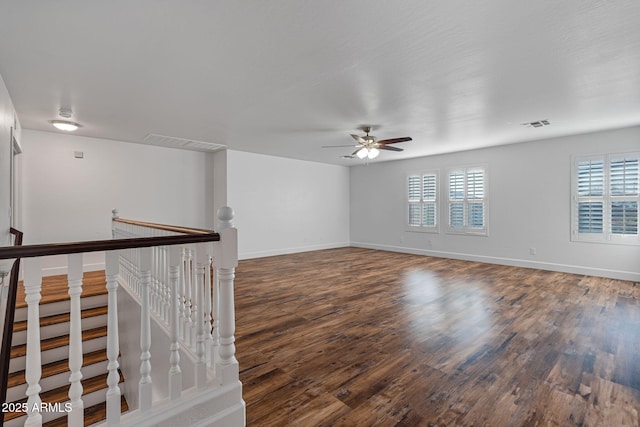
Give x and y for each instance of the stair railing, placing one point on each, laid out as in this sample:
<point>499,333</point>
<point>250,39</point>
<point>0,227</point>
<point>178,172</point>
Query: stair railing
<point>9,298</point>
<point>157,267</point>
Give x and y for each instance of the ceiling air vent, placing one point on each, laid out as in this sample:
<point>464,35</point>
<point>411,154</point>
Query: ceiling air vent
<point>181,143</point>
<point>537,124</point>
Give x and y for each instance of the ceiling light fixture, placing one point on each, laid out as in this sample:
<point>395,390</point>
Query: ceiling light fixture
<point>362,153</point>
<point>370,153</point>
<point>65,125</point>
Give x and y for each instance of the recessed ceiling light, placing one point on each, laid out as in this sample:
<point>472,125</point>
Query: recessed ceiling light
<point>65,125</point>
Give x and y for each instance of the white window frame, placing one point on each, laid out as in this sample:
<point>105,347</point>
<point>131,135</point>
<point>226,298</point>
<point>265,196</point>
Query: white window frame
<point>606,198</point>
<point>466,201</point>
<point>422,202</point>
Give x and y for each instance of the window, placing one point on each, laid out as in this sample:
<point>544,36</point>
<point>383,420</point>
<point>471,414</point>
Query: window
<point>467,208</point>
<point>605,198</point>
<point>422,196</point>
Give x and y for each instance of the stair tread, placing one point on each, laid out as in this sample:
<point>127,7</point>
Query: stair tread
<point>55,288</point>
<point>61,318</point>
<point>92,414</point>
<point>61,394</point>
<point>59,341</point>
<point>58,367</point>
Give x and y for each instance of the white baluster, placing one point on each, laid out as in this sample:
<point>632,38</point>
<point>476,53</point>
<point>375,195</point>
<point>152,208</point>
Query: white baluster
<point>201,364</point>
<point>113,346</point>
<point>164,270</point>
<point>154,279</point>
<point>182,298</point>
<point>144,387</point>
<point>188,277</point>
<point>226,255</point>
<point>32,286</point>
<point>175,373</point>
<point>136,269</point>
<point>207,312</point>
<point>215,313</point>
<point>76,415</point>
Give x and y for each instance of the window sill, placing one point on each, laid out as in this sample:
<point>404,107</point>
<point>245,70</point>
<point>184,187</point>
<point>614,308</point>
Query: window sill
<point>416,229</point>
<point>483,233</point>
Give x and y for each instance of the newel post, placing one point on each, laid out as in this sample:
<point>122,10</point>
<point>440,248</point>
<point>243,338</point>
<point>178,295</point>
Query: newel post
<point>226,256</point>
<point>114,216</point>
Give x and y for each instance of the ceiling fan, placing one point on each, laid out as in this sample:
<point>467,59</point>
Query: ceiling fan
<point>369,146</point>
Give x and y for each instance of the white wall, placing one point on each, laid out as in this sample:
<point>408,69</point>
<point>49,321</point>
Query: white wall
<point>285,206</point>
<point>219,176</point>
<point>68,199</point>
<point>529,206</point>
<point>7,115</point>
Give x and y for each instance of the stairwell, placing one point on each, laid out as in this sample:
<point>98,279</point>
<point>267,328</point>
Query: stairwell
<point>54,336</point>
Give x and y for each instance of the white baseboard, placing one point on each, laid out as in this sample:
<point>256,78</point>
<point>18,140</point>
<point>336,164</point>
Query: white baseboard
<point>564,268</point>
<point>286,251</point>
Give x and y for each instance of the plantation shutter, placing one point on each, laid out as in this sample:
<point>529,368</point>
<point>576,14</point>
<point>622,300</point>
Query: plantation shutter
<point>624,183</point>
<point>606,198</point>
<point>422,192</point>
<point>467,201</point>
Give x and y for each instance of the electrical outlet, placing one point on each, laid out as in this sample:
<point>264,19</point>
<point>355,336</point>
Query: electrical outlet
<point>532,251</point>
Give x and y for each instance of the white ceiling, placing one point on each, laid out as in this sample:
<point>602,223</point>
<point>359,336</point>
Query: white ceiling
<point>285,77</point>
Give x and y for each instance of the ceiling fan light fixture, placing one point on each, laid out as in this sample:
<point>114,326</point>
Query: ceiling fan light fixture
<point>362,153</point>
<point>65,125</point>
<point>373,153</point>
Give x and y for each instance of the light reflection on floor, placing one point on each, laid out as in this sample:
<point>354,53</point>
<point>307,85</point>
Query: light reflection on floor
<point>437,310</point>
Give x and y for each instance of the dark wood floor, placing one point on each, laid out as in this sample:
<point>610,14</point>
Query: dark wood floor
<point>354,337</point>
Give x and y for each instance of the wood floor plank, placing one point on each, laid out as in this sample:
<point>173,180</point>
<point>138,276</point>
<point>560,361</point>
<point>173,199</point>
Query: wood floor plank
<point>360,337</point>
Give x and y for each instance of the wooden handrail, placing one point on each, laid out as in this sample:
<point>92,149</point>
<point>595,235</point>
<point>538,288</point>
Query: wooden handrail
<point>7,334</point>
<point>30,251</point>
<point>185,230</point>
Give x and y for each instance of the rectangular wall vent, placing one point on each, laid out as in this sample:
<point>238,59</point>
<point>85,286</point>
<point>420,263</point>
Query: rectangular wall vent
<point>181,143</point>
<point>537,124</point>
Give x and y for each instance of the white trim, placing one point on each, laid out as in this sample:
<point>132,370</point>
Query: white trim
<point>216,406</point>
<point>564,268</point>
<point>286,251</point>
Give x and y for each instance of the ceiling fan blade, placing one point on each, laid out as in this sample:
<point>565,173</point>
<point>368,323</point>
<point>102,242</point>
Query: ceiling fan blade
<point>355,152</point>
<point>395,140</point>
<point>384,147</point>
<point>332,146</point>
<point>358,138</point>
